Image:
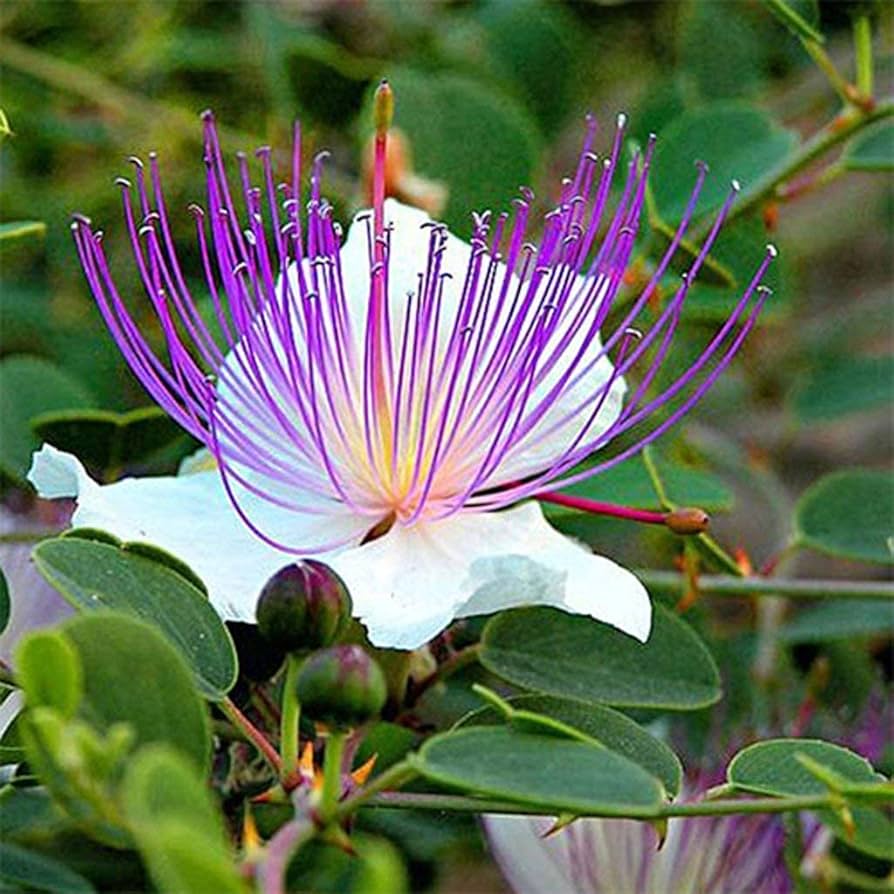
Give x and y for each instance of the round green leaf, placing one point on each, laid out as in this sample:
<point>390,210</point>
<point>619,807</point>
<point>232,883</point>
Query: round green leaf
<point>104,440</point>
<point>872,150</point>
<point>849,514</point>
<point>738,141</point>
<point>25,811</point>
<point>550,773</point>
<point>524,40</point>
<point>840,619</point>
<point>772,767</point>
<point>872,832</point>
<point>49,670</point>
<point>133,675</point>
<point>849,385</point>
<point>480,143</point>
<point>556,653</point>
<point>177,828</point>
<point>614,730</point>
<point>720,50</point>
<point>29,386</point>
<point>22,868</point>
<point>737,254</point>
<point>92,574</point>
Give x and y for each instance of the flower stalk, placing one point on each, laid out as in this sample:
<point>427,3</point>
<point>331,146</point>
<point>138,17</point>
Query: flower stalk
<point>290,719</point>
<point>330,793</point>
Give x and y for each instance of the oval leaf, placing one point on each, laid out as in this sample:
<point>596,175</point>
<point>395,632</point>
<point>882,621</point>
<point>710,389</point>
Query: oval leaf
<point>614,730</point>
<point>738,142</point>
<point>133,675</point>
<point>847,386</point>
<point>24,869</point>
<point>870,831</point>
<point>840,619</point>
<point>773,768</point>
<point>29,386</point>
<point>552,652</point>
<point>104,440</point>
<point>49,670</point>
<point>177,828</point>
<point>549,773</point>
<point>91,574</point>
<point>849,514</point>
<point>872,150</point>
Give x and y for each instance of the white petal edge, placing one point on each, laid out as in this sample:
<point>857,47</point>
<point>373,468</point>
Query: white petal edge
<point>411,583</point>
<point>191,517</point>
<point>530,862</point>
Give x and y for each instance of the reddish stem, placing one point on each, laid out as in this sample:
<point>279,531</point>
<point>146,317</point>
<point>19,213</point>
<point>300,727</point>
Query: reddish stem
<point>597,508</point>
<point>252,732</point>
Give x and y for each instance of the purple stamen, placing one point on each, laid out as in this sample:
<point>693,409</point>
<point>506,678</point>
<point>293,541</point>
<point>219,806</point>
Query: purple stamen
<point>458,392</point>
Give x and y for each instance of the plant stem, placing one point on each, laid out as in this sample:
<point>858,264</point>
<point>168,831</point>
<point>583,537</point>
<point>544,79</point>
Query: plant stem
<point>863,53</point>
<point>707,543</point>
<point>258,739</point>
<point>394,777</point>
<point>655,478</point>
<point>727,585</point>
<point>290,717</point>
<point>332,760</point>
<point>279,852</point>
<point>837,131</point>
<point>465,804</point>
<point>825,64</point>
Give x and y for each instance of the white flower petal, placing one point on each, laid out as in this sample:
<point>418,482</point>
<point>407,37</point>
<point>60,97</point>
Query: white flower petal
<point>10,709</point>
<point>530,862</point>
<point>409,241</point>
<point>191,517</point>
<point>410,237</point>
<point>410,583</point>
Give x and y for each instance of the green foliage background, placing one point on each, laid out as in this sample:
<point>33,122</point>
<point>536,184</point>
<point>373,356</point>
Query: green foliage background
<point>791,451</point>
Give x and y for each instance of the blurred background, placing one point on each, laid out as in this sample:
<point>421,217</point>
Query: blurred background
<point>489,96</point>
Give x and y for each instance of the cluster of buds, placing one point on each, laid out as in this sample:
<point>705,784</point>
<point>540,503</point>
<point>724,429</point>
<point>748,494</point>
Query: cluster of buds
<point>306,608</point>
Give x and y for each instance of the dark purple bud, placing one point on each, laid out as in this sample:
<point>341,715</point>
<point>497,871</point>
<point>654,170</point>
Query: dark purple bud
<point>341,687</point>
<point>303,606</point>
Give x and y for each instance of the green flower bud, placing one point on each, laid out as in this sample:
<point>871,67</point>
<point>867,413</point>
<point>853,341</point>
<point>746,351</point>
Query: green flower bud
<point>303,606</point>
<point>341,687</point>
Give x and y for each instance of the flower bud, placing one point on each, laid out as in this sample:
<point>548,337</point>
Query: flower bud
<point>341,687</point>
<point>687,521</point>
<point>303,606</point>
